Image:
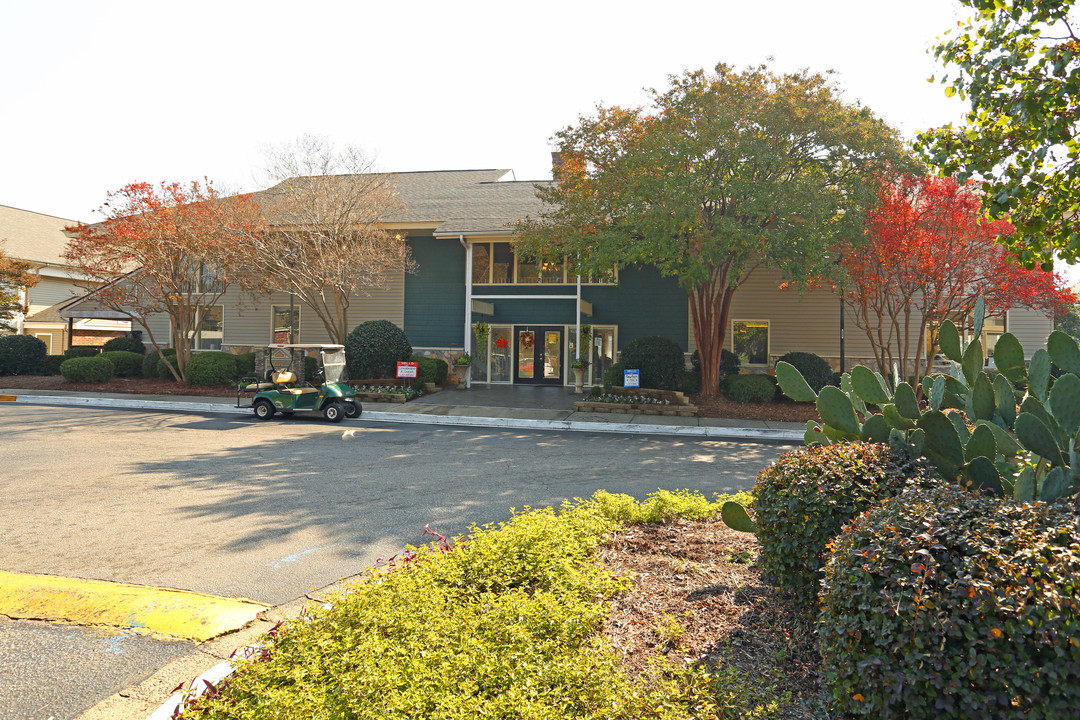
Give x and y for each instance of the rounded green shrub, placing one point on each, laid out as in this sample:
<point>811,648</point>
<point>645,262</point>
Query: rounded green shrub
<point>729,363</point>
<point>750,388</point>
<point>95,369</point>
<point>126,364</point>
<point>373,349</point>
<point>940,603</point>
<point>22,355</point>
<point>126,343</point>
<point>815,369</point>
<point>427,369</point>
<point>659,359</point>
<point>52,364</point>
<point>311,367</point>
<point>613,376</point>
<point>211,368</point>
<point>245,365</point>
<point>805,498</point>
<point>691,382</point>
<point>81,351</point>
<point>152,365</point>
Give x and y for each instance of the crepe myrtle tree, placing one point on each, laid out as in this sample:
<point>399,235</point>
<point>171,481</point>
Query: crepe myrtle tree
<point>324,240</point>
<point>168,249</point>
<point>15,276</point>
<point>930,253</point>
<point>724,173</point>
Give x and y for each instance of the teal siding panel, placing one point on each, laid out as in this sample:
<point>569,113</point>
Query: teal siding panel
<point>435,293</point>
<point>642,304</point>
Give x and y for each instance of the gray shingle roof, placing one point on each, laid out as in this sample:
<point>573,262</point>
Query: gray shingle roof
<point>33,236</point>
<point>455,201</point>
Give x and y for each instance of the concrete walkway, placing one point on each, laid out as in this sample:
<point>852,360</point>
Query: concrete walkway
<point>512,407</point>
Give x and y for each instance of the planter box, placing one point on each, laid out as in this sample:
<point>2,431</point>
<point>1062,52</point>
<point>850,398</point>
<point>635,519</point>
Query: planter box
<point>637,409</point>
<point>381,397</point>
<point>672,396</point>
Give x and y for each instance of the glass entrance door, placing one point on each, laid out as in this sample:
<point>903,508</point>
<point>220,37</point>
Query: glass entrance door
<point>538,355</point>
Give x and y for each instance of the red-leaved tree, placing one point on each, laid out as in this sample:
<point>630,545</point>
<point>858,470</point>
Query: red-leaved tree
<point>930,253</point>
<point>173,245</point>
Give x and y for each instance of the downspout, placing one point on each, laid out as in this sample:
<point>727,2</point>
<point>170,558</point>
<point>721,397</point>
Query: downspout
<point>468,303</point>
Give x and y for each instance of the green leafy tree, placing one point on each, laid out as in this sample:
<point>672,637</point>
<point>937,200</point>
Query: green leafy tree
<point>1018,63</point>
<point>725,173</point>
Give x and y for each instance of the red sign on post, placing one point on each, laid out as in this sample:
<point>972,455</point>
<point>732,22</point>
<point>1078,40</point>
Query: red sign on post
<point>406,369</point>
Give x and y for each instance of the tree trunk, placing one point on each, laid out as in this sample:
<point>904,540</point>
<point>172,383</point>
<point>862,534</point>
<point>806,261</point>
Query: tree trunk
<point>710,304</point>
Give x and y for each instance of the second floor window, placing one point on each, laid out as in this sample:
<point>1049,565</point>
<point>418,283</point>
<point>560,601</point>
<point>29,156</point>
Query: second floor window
<point>496,263</point>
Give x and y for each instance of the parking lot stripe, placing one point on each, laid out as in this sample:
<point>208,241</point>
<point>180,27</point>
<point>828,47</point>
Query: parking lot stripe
<point>154,611</point>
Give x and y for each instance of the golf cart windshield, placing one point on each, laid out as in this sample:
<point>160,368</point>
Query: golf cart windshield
<point>334,364</point>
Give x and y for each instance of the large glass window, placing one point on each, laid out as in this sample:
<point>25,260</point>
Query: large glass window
<point>502,263</point>
<point>481,259</point>
<point>750,340</point>
<point>499,346</point>
<point>497,264</point>
<point>281,324</point>
<point>209,328</point>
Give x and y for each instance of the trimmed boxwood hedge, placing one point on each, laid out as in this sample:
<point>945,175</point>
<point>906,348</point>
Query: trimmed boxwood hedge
<point>52,364</point>
<point>660,360</point>
<point>210,368</point>
<point>127,364</point>
<point>808,494</point>
<point>373,349</point>
<point>22,355</point>
<point>87,369</point>
<point>126,343</point>
<point>941,603</point>
<point>154,368</point>
<point>81,351</point>
<point>815,369</point>
<point>613,376</point>
<point>750,388</point>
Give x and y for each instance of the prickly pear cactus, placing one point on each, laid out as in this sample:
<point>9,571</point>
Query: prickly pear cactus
<point>967,423</point>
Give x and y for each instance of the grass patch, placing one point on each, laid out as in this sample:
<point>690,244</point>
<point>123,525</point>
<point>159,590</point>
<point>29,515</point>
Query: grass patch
<point>504,623</point>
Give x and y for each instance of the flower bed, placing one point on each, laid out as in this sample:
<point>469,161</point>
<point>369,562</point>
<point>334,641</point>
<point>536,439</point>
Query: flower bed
<point>381,392</point>
<point>639,401</point>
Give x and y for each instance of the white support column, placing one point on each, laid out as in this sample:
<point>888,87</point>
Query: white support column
<point>577,332</point>
<point>468,303</point>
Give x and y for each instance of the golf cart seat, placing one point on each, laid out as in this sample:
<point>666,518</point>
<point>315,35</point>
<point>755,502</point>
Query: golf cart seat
<point>287,378</point>
<point>257,386</point>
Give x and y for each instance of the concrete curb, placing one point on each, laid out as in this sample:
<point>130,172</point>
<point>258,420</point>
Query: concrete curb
<point>509,423</point>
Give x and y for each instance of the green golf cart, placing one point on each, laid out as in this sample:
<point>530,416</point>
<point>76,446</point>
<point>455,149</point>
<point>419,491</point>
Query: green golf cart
<point>279,391</point>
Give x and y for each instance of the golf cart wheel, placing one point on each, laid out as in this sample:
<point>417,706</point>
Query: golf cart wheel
<point>333,412</point>
<point>264,409</point>
<point>353,408</point>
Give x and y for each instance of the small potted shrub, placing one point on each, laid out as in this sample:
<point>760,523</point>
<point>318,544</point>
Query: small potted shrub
<point>461,366</point>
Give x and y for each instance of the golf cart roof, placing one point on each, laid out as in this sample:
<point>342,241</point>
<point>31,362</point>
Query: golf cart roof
<point>306,346</point>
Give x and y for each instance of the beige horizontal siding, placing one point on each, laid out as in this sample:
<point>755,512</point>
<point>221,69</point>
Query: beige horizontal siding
<point>50,291</point>
<point>248,319</point>
<point>1031,327</point>
<point>798,321</point>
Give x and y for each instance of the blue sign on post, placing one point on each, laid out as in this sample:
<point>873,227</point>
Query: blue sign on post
<point>631,378</point>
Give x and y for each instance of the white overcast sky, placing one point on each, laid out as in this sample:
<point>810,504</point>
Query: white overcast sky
<point>96,94</point>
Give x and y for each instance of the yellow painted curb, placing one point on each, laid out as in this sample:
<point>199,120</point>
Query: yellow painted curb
<point>150,610</point>
<point>7,398</point>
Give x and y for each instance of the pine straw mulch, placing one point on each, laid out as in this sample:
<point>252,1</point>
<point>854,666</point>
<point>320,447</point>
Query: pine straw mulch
<point>698,597</point>
<point>720,406</point>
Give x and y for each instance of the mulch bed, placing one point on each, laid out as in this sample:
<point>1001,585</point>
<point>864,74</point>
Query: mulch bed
<point>702,575</point>
<point>714,407</point>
